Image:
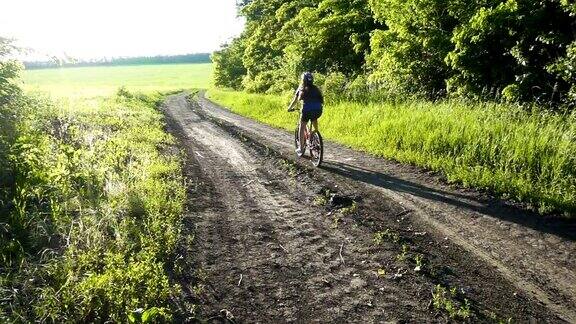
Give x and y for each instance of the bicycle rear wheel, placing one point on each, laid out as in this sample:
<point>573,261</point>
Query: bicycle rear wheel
<point>316,149</point>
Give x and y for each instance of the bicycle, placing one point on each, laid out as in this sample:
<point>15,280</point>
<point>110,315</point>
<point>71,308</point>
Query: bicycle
<point>313,143</point>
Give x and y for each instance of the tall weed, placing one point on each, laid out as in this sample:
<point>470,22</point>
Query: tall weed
<point>91,206</point>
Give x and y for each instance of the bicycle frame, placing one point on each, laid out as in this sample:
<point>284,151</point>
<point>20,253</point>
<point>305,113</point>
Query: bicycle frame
<point>313,142</point>
<point>307,131</point>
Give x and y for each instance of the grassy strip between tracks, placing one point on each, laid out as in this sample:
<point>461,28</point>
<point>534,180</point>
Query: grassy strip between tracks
<point>519,155</point>
<point>91,198</point>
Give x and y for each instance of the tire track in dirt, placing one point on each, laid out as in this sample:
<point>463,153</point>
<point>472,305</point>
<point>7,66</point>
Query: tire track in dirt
<point>267,255</point>
<point>534,253</point>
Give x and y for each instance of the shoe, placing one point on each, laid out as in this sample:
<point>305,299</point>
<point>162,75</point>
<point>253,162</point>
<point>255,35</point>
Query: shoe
<point>298,152</point>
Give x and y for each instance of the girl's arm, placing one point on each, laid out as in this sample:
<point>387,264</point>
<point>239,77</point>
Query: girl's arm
<point>296,97</point>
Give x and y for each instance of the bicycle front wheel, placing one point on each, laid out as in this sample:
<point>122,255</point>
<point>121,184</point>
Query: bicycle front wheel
<point>316,149</point>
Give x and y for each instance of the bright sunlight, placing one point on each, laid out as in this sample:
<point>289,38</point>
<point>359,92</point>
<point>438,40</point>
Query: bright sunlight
<point>107,28</point>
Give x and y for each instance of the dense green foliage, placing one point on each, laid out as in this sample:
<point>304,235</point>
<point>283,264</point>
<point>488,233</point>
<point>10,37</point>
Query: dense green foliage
<point>140,60</point>
<point>9,71</point>
<point>91,197</point>
<point>513,46</point>
<point>380,61</point>
<point>228,66</point>
<point>520,50</point>
<point>525,156</point>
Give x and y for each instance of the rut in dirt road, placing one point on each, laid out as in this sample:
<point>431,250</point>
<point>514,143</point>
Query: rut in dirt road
<point>537,255</point>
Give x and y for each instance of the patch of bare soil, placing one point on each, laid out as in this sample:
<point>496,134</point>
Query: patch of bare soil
<point>358,241</point>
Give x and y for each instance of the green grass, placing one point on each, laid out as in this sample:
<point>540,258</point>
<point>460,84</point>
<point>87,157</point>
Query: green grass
<point>91,199</point>
<point>524,156</point>
<point>91,195</point>
<point>84,82</point>
<point>445,300</point>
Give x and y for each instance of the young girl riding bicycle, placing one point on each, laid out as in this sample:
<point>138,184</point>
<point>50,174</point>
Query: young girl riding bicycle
<point>312,100</point>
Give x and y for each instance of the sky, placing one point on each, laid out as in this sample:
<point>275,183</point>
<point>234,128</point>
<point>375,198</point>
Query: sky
<point>88,29</point>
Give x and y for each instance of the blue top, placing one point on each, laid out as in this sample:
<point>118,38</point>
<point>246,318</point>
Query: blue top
<point>312,98</point>
<point>312,106</point>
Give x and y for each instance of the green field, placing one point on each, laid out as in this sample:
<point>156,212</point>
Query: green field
<point>104,81</point>
<point>525,156</point>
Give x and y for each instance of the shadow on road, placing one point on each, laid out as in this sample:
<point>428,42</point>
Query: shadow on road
<point>491,207</point>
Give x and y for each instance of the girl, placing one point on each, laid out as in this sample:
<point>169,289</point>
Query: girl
<point>312,100</point>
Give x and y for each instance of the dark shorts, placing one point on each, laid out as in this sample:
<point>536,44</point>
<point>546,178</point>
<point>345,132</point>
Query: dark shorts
<point>310,115</point>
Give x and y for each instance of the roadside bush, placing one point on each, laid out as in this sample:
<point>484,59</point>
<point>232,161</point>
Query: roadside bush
<point>228,66</point>
<point>9,115</point>
<point>334,86</point>
<point>9,71</point>
<point>565,68</point>
<point>515,43</point>
<point>96,200</point>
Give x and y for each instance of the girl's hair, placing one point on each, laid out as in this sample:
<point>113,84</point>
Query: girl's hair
<point>311,92</point>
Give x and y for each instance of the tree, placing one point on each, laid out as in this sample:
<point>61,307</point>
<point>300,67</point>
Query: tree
<point>283,38</point>
<point>522,49</point>
<point>228,66</point>
<point>334,36</point>
<point>408,57</point>
<point>515,48</point>
<point>565,67</point>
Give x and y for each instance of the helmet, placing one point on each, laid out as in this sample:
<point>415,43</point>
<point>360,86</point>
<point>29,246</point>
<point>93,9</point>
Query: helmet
<point>307,77</point>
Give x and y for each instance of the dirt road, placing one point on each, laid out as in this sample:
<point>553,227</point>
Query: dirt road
<point>360,240</point>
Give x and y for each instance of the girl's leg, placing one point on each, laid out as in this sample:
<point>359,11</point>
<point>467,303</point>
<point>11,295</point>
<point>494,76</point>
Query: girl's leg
<point>315,125</point>
<point>302,135</point>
